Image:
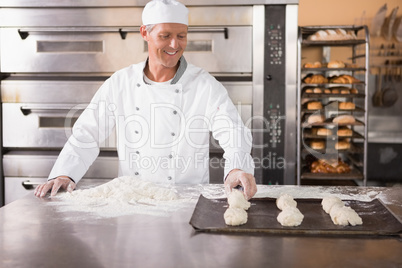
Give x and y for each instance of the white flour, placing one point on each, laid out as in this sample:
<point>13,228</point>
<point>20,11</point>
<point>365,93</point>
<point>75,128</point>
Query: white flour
<point>128,195</point>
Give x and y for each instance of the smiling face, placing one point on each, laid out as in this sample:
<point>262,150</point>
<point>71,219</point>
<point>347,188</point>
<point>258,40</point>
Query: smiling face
<point>166,44</point>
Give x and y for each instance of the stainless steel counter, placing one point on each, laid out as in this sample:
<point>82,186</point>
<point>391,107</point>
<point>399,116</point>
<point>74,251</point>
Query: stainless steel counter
<point>36,234</point>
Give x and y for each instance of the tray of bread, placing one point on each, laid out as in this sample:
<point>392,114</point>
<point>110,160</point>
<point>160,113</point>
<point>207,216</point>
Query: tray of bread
<point>330,146</point>
<point>330,36</point>
<point>317,79</point>
<point>331,133</point>
<point>328,92</point>
<point>300,216</point>
<point>331,167</point>
<point>334,65</point>
<point>314,106</point>
<point>318,119</point>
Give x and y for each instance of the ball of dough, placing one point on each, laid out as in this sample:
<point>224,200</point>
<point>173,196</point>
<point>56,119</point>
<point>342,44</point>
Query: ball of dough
<point>329,201</point>
<point>290,216</point>
<point>285,201</point>
<point>235,216</point>
<point>343,215</point>
<point>236,199</point>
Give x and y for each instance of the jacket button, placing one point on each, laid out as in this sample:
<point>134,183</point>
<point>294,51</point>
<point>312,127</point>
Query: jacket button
<point>173,134</point>
<point>136,173</point>
<point>170,156</point>
<point>169,178</point>
<point>137,108</point>
<point>138,85</point>
<point>174,112</point>
<point>136,132</point>
<point>137,152</point>
<point>177,91</point>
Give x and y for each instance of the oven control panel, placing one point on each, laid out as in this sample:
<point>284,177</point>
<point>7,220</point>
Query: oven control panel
<point>274,95</point>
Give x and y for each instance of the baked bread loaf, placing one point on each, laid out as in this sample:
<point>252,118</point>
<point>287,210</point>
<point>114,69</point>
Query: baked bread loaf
<point>336,64</point>
<point>314,105</point>
<point>324,132</point>
<point>342,145</point>
<point>335,91</point>
<point>354,91</point>
<point>344,132</point>
<point>345,91</point>
<point>329,166</point>
<point>346,106</point>
<point>327,91</point>
<point>317,145</point>
<point>332,35</point>
<point>316,64</point>
<point>315,118</point>
<point>317,90</point>
<point>344,119</point>
<point>344,79</point>
<point>315,79</point>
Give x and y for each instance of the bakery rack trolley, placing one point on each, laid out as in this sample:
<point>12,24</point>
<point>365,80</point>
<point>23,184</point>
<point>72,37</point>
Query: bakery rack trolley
<point>360,66</point>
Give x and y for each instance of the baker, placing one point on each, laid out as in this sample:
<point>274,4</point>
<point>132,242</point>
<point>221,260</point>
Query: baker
<point>162,110</point>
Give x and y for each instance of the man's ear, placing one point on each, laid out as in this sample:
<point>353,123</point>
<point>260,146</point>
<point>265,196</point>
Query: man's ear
<point>144,33</point>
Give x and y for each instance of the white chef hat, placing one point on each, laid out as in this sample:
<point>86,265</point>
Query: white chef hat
<point>164,11</point>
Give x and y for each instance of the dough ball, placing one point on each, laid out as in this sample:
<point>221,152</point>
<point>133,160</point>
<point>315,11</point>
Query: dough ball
<point>235,216</point>
<point>285,201</point>
<point>236,199</point>
<point>290,216</point>
<point>329,201</point>
<point>342,215</point>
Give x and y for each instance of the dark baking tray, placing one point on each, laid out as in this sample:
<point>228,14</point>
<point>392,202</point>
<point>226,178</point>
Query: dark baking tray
<point>377,219</point>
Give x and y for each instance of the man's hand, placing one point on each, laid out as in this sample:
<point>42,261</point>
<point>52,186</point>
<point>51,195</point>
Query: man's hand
<point>238,177</point>
<point>60,182</point>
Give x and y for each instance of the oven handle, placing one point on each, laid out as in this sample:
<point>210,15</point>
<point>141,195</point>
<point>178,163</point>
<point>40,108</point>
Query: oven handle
<point>122,31</point>
<point>26,110</point>
<point>24,33</point>
<point>29,185</point>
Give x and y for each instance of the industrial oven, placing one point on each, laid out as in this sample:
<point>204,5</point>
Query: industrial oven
<point>56,54</point>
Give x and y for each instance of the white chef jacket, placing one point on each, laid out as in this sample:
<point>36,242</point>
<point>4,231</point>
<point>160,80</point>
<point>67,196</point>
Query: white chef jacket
<point>162,130</point>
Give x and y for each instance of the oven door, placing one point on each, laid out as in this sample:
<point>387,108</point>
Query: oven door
<point>104,50</point>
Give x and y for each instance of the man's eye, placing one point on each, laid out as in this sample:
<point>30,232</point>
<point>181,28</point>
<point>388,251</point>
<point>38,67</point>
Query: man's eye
<point>165,36</point>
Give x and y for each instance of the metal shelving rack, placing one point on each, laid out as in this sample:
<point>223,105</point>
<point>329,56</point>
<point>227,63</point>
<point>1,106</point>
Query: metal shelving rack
<point>356,156</point>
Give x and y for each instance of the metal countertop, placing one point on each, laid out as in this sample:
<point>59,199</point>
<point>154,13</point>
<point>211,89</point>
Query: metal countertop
<point>34,234</point>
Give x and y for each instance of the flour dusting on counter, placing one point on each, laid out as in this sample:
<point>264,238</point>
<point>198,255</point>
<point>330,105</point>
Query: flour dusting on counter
<point>128,195</point>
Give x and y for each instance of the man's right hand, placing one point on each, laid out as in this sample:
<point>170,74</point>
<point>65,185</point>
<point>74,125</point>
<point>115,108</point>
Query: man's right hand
<point>54,185</point>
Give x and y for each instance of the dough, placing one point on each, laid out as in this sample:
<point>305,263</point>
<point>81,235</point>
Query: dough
<point>285,201</point>
<point>290,216</point>
<point>343,215</point>
<point>235,216</point>
<point>329,201</point>
<point>236,199</point>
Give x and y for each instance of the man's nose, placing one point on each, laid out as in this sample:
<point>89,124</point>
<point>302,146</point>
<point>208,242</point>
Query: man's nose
<point>174,43</point>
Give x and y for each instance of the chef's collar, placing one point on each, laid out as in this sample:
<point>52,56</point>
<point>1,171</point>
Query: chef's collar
<point>179,73</point>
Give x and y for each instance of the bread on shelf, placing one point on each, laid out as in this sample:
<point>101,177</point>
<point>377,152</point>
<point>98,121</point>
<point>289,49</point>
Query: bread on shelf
<point>314,105</point>
<point>317,144</point>
<point>344,132</point>
<point>315,64</point>
<point>324,132</point>
<point>332,35</point>
<point>336,64</point>
<point>347,105</point>
<point>315,79</point>
<point>342,145</point>
<point>343,79</point>
<point>332,166</point>
<point>344,119</point>
<point>315,118</point>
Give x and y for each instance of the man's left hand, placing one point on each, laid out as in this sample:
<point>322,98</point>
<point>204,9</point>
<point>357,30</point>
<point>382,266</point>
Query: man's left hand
<point>238,177</point>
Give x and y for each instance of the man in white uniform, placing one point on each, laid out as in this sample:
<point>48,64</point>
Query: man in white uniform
<point>162,110</point>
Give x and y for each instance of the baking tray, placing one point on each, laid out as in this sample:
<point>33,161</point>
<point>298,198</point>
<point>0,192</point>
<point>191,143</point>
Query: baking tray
<point>377,219</point>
